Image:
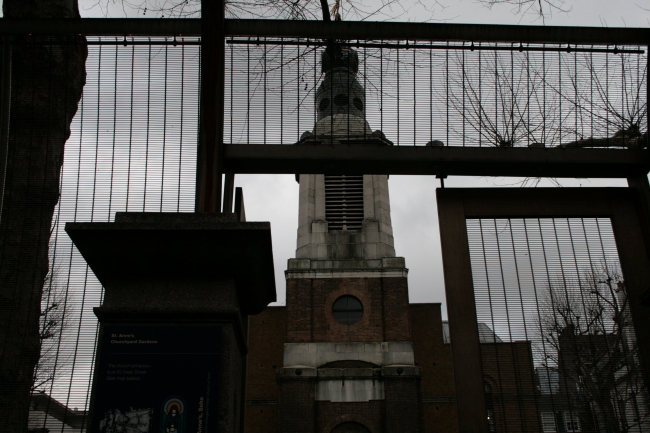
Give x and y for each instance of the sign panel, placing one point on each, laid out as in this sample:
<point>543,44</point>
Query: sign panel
<point>157,379</point>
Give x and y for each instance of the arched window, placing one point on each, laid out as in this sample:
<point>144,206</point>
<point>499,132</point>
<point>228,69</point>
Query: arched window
<point>350,427</point>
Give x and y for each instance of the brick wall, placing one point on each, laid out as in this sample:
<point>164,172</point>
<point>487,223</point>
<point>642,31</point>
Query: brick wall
<point>434,359</point>
<point>299,310</point>
<point>267,332</point>
<point>330,414</point>
<point>309,309</point>
<point>402,405</point>
<point>297,408</point>
<point>508,368</point>
<point>396,309</point>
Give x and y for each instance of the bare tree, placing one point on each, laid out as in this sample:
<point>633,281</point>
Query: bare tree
<point>611,107</point>
<point>55,318</point>
<point>500,99</point>
<point>541,8</point>
<point>278,9</point>
<point>586,333</point>
<point>565,99</point>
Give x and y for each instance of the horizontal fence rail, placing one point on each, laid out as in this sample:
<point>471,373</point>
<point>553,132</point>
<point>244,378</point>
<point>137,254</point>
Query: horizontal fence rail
<point>439,161</point>
<point>330,30</point>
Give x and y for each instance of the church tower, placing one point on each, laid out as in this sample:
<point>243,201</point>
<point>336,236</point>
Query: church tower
<point>348,357</point>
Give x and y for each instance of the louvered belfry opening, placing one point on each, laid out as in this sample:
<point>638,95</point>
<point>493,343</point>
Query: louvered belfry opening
<point>344,202</point>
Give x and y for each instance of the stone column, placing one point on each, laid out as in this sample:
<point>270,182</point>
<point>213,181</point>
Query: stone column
<point>173,324</point>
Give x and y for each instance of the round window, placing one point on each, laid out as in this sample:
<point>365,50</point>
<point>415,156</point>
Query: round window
<point>358,103</point>
<point>347,310</point>
<point>324,103</point>
<point>341,99</point>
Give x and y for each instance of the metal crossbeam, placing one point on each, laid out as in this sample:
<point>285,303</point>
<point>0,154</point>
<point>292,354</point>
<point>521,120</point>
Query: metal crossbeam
<point>438,32</point>
<point>444,161</point>
<point>348,30</point>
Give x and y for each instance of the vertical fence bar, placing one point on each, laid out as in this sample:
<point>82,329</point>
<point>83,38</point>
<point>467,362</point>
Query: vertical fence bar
<point>480,101</point>
<point>461,310</point>
<point>641,185</point>
<point>4,121</point>
<point>210,151</point>
<point>228,191</point>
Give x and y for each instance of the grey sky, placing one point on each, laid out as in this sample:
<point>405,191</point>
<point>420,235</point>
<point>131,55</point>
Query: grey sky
<point>607,13</point>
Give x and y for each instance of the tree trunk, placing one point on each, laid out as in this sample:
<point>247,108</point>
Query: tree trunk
<point>47,81</point>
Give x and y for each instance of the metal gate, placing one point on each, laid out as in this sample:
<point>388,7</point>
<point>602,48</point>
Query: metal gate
<point>544,288</point>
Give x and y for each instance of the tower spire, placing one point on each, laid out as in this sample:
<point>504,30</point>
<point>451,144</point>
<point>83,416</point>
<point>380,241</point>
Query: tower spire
<point>343,217</point>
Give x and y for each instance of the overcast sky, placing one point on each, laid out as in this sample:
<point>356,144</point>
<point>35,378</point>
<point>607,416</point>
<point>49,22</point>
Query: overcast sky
<point>608,13</point>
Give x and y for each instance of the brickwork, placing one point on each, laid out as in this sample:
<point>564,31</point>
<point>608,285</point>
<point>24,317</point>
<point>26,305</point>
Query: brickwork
<point>299,310</point>
<point>329,415</point>
<point>433,357</point>
<point>367,290</point>
<point>397,326</point>
<point>508,368</point>
<point>261,418</point>
<point>385,318</point>
<point>297,408</point>
<point>402,405</point>
<point>309,310</point>
<point>440,417</point>
<point>266,348</point>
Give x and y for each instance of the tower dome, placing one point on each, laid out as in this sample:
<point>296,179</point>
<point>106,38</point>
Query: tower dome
<point>340,98</point>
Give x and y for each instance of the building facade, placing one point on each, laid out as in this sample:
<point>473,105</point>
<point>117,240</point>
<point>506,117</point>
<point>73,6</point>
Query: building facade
<point>349,353</point>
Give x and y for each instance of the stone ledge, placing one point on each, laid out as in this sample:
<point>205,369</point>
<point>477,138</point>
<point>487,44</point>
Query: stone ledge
<point>371,264</point>
<point>144,251</point>
<point>298,372</point>
<point>399,353</point>
<point>346,273</point>
<point>400,371</point>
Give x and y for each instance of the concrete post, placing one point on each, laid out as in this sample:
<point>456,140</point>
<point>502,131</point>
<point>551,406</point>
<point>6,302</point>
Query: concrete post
<point>173,324</point>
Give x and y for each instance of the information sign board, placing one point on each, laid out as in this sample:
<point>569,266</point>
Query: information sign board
<point>157,379</point>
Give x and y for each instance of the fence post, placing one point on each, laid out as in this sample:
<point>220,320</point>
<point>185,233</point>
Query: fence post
<point>642,188</point>
<point>210,151</point>
<point>5,114</point>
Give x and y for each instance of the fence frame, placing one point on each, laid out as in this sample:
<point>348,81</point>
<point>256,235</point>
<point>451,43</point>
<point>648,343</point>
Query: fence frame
<point>629,208</point>
<point>455,205</point>
<point>334,29</point>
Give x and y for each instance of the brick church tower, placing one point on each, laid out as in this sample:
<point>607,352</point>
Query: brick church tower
<point>348,358</point>
<point>348,353</point>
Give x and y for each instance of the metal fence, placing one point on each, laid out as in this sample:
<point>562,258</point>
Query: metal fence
<point>461,94</point>
<point>133,141</point>
<point>564,356</point>
<point>132,148</point>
